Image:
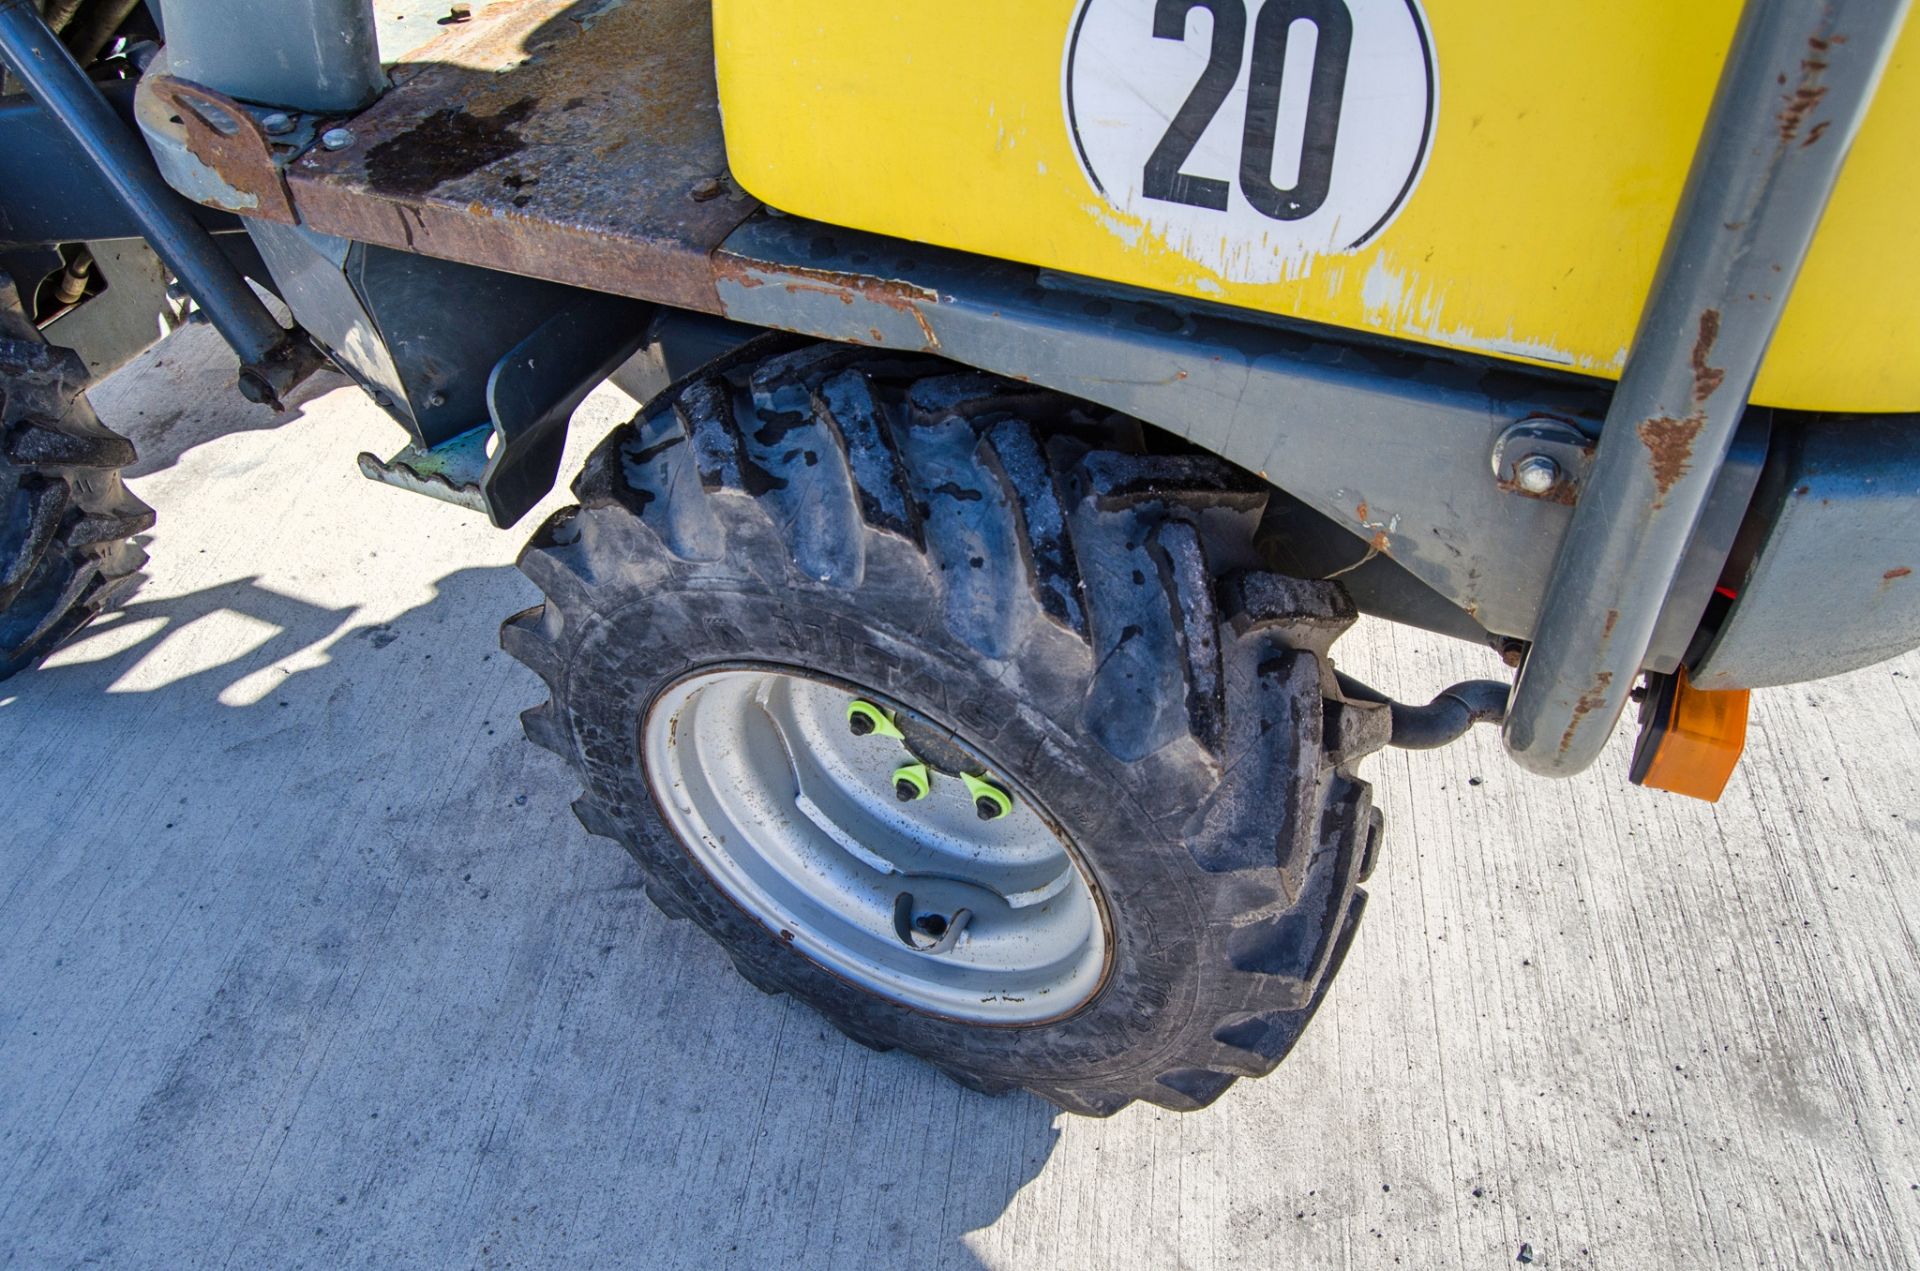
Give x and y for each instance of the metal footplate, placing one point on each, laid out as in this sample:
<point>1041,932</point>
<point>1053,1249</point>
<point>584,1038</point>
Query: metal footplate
<point>450,471</point>
<point>505,466</point>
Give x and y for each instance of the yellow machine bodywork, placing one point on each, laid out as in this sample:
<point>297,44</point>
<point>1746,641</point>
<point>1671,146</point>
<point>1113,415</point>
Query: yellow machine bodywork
<point>1559,138</point>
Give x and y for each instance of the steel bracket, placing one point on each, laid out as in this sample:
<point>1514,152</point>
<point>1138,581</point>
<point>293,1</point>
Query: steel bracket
<point>228,139</point>
<point>507,465</point>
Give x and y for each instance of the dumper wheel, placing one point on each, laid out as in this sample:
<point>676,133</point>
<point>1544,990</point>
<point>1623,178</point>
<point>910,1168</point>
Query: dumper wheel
<point>66,520</point>
<point>951,708</point>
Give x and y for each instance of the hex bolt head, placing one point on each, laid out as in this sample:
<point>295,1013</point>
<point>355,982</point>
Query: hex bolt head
<point>990,802</point>
<point>460,13</point>
<point>277,124</point>
<point>1535,474</point>
<point>707,190</point>
<point>336,138</point>
<point>912,781</point>
<point>864,719</point>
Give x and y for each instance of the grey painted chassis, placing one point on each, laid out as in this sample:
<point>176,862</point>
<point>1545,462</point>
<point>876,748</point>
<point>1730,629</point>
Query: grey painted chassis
<point>1402,461</point>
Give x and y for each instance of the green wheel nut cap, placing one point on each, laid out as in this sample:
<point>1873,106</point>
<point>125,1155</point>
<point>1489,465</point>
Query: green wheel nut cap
<point>910,782</point>
<point>989,800</point>
<point>864,718</point>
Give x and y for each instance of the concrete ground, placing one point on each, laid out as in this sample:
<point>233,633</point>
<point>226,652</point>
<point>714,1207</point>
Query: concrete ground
<point>306,963</point>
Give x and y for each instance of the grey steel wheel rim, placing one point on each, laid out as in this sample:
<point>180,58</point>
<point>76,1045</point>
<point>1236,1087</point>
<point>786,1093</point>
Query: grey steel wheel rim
<point>795,818</point>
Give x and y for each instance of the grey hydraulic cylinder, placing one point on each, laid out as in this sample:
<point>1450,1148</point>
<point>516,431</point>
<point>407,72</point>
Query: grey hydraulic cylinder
<point>43,64</point>
<point>1796,85</point>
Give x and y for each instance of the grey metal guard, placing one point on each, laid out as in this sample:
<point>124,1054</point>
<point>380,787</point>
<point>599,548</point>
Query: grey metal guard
<point>1796,85</point>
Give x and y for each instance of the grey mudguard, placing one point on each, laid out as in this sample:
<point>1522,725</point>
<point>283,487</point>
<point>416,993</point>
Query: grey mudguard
<point>1833,586</point>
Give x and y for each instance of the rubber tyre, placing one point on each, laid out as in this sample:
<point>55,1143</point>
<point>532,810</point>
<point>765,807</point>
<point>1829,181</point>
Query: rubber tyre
<point>66,517</point>
<point>1012,565</point>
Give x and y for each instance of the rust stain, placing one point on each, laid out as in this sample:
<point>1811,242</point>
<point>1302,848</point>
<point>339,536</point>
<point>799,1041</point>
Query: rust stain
<point>797,288</point>
<point>1561,493</point>
<point>1901,572</point>
<point>222,135</point>
<point>886,292</point>
<point>1613,617</point>
<point>1806,95</point>
<point>1590,701</point>
<point>926,329</point>
<point>901,297</point>
<point>1706,378</point>
<point>1361,511</point>
<point>1669,444</point>
<point>1799,103</point>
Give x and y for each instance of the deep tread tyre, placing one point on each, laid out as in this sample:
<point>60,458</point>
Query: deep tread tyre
<point>1016,566</point>
<point>66,519</point>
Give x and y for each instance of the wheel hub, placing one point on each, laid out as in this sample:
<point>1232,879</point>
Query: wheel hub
<point>945,890</point>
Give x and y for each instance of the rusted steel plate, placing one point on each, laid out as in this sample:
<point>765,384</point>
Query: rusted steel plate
<point>573,140</point>
<point>223,135</point>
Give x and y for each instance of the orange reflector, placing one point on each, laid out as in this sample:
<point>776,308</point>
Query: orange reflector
<point>1690,738</point>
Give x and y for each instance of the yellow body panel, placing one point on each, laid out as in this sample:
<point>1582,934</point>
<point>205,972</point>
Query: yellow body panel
<point>1561,136</point>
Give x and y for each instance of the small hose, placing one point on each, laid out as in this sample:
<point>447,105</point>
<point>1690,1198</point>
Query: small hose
<point>1446,718</point>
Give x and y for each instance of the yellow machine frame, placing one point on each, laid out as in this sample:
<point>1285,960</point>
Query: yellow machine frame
<point>1560,144</point>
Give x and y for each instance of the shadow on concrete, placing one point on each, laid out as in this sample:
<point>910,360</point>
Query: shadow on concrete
<point>311,963</point>
<point>163,397</point>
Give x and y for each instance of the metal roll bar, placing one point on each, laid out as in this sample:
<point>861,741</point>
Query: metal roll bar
<point>1796,86</point>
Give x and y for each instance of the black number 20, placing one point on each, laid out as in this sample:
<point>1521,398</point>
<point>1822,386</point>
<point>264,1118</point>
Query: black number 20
<point>1334,27</point>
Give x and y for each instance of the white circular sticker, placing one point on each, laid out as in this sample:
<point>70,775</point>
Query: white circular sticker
<point>1252,135</point>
